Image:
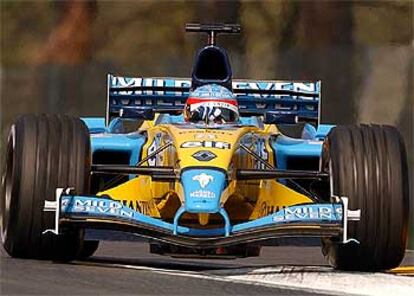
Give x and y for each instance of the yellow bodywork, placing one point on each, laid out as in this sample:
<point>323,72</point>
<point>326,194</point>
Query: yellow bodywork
<point>243,200</point>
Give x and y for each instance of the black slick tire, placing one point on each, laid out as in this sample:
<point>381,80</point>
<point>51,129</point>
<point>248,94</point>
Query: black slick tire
<point>44,152</point>
<point>367,164</point>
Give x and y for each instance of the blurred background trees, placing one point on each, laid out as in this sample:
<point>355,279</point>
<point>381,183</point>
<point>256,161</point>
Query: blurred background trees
<point>55,54</point>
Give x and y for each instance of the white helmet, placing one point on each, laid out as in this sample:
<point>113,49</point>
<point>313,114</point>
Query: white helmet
<point>211,103</point>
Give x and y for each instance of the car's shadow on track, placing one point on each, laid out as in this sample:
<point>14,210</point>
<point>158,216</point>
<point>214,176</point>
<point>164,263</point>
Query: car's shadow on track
<point>135,255</point>
<point>171,264</point>
<point>203,266</point>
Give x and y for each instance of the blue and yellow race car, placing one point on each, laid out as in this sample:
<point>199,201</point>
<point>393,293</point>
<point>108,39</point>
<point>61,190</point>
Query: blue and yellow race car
<point>207,166</point>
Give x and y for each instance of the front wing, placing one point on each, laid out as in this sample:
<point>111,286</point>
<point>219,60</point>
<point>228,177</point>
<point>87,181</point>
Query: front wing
<point>313,219</point>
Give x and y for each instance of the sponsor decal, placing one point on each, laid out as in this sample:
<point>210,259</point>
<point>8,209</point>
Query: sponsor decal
<point>268,85</point>
<point>210,105</point>
<point>210,133</point>
<point>206,144</point>
<point>204,155</point>
<point>262,152</point>
<point>129,81</point>
<point>207,89</point>
<point>153,161</point>
<point>205,136</point>
<point>212,91</point>
<point>308,212</point>
<point>203,194</point>
<point>203,179</point>
<point>103,206</point>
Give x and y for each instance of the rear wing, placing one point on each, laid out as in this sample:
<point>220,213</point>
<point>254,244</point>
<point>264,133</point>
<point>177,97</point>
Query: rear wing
<point>134,97</point>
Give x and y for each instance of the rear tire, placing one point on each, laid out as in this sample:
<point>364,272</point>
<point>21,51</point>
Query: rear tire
<point>44,152</point>
<point>368,165</point>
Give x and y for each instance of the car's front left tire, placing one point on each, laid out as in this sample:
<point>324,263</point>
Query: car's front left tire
<point>368,165</point>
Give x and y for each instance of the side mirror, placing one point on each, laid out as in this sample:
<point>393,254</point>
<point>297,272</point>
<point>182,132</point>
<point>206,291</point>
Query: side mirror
<point>137,113</point>
<point>280,117</point>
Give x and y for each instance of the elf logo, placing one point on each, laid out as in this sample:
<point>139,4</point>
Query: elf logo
<point>206,144</point>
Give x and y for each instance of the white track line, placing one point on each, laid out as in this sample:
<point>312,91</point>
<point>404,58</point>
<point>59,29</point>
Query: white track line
<point>233,276</point>
<point>328,280</point>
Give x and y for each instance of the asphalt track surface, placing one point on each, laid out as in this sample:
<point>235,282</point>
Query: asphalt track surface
<point>127,268</point>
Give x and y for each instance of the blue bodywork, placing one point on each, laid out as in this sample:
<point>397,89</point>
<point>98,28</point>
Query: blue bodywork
<point>106,139</point>
<point>310,146</point>
<point>200,197</point>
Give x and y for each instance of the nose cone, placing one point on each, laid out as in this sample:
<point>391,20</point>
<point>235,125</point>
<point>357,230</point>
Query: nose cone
<point>202,190</point>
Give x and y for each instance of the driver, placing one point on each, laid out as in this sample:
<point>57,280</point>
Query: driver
<point>211,103</point>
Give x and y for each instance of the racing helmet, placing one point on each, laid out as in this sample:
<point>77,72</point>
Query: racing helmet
<point>211,103</point>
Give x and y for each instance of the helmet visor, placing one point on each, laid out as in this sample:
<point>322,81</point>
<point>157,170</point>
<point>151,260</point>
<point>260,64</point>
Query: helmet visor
<point>212,111</point>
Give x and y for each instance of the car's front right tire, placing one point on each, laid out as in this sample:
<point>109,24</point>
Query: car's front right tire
<point>44,152</point>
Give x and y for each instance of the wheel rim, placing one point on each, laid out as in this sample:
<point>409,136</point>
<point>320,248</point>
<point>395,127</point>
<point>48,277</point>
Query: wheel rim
<point>7,186</point>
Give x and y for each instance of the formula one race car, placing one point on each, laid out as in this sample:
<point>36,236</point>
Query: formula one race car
<point>209,167</point>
